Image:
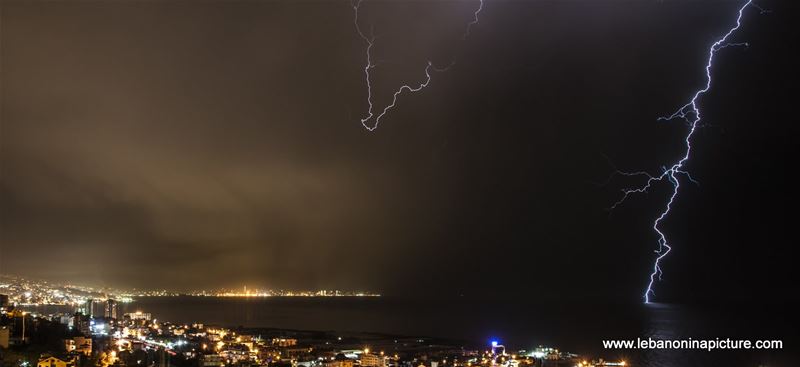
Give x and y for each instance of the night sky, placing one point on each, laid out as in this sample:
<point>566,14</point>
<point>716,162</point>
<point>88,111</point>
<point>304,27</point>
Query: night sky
<point>188,145</point>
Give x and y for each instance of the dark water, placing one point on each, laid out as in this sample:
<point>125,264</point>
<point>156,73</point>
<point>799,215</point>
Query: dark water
<point>574,327</point>
<point>578,327</point>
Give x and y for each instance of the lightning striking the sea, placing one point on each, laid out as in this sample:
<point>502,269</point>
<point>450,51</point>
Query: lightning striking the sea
<point>690,112</point>
<point>373,118</point>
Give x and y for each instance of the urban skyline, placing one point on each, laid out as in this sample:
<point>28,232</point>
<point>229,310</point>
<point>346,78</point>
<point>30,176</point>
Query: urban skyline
<point>27,292</point>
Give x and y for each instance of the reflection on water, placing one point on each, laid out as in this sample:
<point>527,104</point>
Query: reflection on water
<point>738,321</point>
<point>662,322</point>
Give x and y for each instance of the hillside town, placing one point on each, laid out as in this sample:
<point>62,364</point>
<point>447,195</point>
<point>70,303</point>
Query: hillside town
<point>85,339</point>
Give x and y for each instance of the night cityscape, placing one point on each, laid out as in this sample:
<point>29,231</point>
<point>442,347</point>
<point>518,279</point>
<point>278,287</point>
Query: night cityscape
<point>398,183</point>
<point>99,333</point>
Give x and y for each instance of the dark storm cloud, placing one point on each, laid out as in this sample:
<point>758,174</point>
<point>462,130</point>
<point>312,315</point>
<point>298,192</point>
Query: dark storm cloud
<point>197,144</point>
<point>191,140</point>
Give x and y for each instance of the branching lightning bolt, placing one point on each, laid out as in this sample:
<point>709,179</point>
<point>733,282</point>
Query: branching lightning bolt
<point>690,113</point>
<point>372,114</point>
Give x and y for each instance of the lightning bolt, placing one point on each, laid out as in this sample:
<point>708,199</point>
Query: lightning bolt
<point>690,112</point>
<point>474,20</point>
<point>373,115</point>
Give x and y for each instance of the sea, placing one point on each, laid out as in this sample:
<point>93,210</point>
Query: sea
<point>577,327</point>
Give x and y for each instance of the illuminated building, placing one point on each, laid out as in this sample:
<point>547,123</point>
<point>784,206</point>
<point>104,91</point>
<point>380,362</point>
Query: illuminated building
<point>340,361</point>
<point>137,316</point>
<point>498,349</point>
<point>284,342</point>
<point>79,344</point>
<point>111,309</point>
<point>82,323</point>
<point>372,360</point>
<point>54,362</point>
<point>212,360</point>
<point>88,308</point>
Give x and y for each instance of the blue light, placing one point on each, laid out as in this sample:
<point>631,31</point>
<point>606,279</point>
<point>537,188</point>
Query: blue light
<point>494,343</point>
